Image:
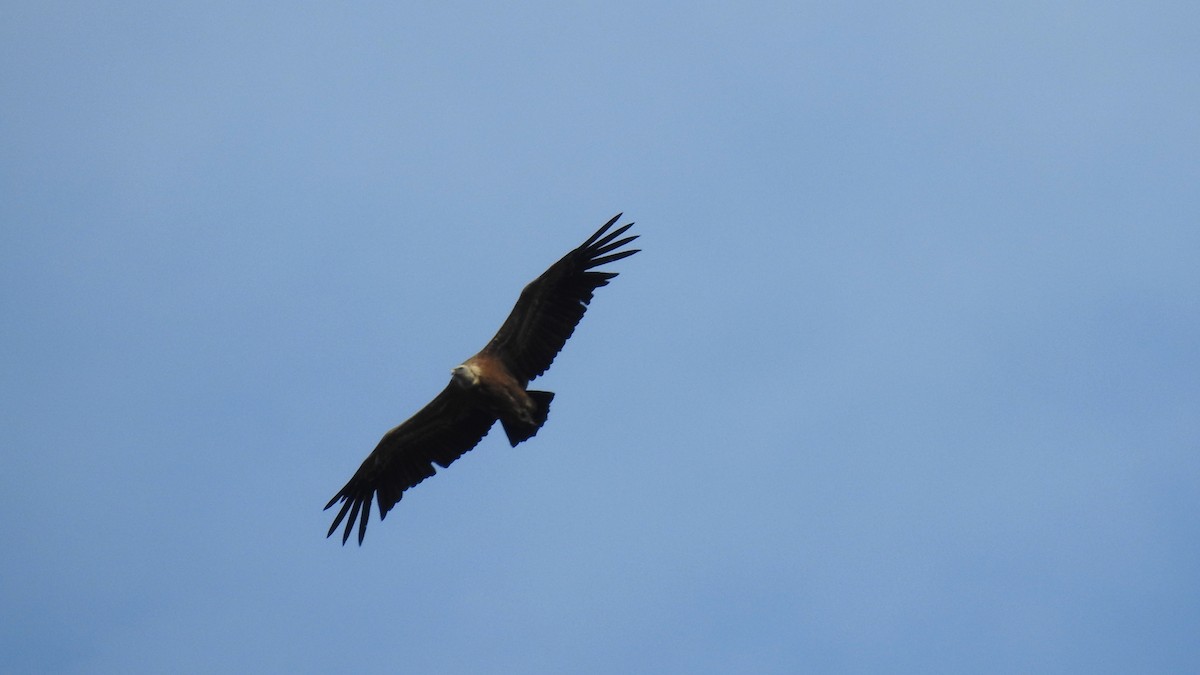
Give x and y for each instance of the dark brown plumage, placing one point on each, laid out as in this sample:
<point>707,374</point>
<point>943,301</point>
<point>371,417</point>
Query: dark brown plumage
<point>487,387</point>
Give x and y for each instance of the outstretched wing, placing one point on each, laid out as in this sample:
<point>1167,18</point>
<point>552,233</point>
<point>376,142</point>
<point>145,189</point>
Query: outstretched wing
<point>551,306</point>
<point>440,433</point>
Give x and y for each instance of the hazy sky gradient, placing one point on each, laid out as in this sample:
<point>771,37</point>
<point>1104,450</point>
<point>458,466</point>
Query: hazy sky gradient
<point>906,378</point>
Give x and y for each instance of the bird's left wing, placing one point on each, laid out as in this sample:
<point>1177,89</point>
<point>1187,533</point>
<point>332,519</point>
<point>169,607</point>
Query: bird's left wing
<point>551,306</point>
<point>441,432</point>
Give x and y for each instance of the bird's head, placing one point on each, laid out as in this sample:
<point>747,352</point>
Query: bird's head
<point>465,376</point>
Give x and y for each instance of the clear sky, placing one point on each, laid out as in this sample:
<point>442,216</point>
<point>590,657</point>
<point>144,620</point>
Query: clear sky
<point>906,378</point>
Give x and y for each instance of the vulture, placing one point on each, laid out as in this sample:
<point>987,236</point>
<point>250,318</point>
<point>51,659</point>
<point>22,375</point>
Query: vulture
<point>489,386</point>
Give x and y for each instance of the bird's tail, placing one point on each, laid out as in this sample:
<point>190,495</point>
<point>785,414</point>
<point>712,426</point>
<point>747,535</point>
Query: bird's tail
<point>519,430</point>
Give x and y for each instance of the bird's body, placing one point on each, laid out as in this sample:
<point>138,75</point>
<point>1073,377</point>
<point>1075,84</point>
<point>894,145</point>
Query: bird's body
<point>522,412</point>
<point>491,385</point>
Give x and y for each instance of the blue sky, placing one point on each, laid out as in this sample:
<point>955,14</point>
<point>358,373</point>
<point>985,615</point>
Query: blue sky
<point>904,380</point>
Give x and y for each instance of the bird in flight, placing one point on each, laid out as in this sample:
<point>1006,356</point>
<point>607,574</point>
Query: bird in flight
<point>487,387</point>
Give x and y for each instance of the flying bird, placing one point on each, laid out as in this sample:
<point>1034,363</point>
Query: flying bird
<point>487,387</point>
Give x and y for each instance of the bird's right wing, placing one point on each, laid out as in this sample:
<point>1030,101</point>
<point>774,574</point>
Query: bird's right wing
<point>441,432</point>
